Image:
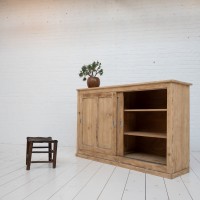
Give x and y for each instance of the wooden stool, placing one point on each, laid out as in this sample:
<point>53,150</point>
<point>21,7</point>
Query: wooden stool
<point>30,147</point>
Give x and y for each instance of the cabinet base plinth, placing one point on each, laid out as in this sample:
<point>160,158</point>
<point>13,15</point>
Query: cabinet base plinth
<point>132,167</point>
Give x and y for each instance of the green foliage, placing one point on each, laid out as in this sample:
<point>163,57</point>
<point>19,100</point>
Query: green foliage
<point>91,70</point>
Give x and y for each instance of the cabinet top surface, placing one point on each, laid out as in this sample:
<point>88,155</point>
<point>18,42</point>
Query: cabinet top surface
<point>137,84</point>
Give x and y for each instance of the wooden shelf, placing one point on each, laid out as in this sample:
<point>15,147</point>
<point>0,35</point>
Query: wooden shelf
<point>147,134</point>
<point>147,158</point>
<point>144,110</point>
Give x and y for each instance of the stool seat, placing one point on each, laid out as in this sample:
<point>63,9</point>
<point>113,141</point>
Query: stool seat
<point>40,139</point>
<point>29,150</point>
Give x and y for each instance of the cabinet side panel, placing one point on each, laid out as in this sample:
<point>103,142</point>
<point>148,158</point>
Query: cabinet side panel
<point>180,127</point>
<point>170,159</point>
<point>105,123</point>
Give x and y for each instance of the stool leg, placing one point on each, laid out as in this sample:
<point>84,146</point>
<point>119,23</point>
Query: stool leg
<point>55,154</point>
<point>50,154</point>
<point>27,147</point>
<point>30,145</point>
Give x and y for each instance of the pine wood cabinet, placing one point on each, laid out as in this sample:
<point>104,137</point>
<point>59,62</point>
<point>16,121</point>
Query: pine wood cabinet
<point>138,126</point>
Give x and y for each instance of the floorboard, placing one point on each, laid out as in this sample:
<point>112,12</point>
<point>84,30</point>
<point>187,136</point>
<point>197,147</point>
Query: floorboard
<point>115,186</point>
<point>135,186</point>
<point>177,190</point>
<point>96,184</point>
<point>75,185</point>
<point>156,188</point>
<point>192,183</point>
<point>81,179</point>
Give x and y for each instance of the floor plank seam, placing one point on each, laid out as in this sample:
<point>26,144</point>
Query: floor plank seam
<point>166,189</point>
<point>12,172</point>
<point>195,173</point>
<point>52,179</point>
<point>15,189</point>
<point>87,182</point>
<point>17,177</point>
<point>106,183</point>
<point>17,169</point>
<point>76,178</point>
<point>22,185</point>
<point>125,184</point>
<point>145,182</point>
<point>186,188</point>
<point>195,158</point>
<point>70,180</point>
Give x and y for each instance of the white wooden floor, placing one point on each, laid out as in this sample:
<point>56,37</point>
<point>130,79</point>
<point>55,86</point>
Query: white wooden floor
<point>81,179</point>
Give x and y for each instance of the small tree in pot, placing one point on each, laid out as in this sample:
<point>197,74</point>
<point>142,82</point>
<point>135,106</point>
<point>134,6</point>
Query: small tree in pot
<point>91,71</point>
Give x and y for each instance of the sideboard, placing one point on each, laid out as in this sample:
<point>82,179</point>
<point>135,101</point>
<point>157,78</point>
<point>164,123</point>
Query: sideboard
<point>142,126</point>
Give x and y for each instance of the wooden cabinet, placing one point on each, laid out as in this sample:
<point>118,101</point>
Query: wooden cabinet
<point>139,126</point>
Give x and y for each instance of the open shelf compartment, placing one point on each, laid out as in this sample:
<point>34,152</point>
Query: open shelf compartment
<point>154,123</point>
<point>146,149</point>
<point>145,125</point>
<point>148,99</point>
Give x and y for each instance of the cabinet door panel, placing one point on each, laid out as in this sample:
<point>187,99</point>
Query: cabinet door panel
<point>105,125</point>
<point>89,123</point>
<point>105,139</point>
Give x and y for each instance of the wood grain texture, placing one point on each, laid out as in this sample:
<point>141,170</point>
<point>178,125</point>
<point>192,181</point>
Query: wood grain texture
<point>169,129</point>
<point>105,123</point>
<point>144,110</point>
<point>147,158</point>
<point>88,125</point>
<point>127,88</point>
<point>97,122</point>
<point>120,124</point>
<point>146,134</point>
<point>146,84</point>
<point>180,127</point>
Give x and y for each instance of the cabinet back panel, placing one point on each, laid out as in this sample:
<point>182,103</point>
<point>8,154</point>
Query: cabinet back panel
<point>155,146</point>
<point>145,121</point>
<point>150,99</point>
<point>129,121</point>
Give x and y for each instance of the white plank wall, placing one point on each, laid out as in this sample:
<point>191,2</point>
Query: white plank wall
<point>80,179</point>
<point>43,44</point>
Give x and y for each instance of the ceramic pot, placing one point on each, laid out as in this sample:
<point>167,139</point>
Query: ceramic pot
<point>93,82</point>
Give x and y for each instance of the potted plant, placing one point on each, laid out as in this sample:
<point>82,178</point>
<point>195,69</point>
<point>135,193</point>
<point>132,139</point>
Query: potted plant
<point>91,71</point>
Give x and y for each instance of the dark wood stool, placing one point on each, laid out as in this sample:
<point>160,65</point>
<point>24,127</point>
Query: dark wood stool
<point>30,147</point>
